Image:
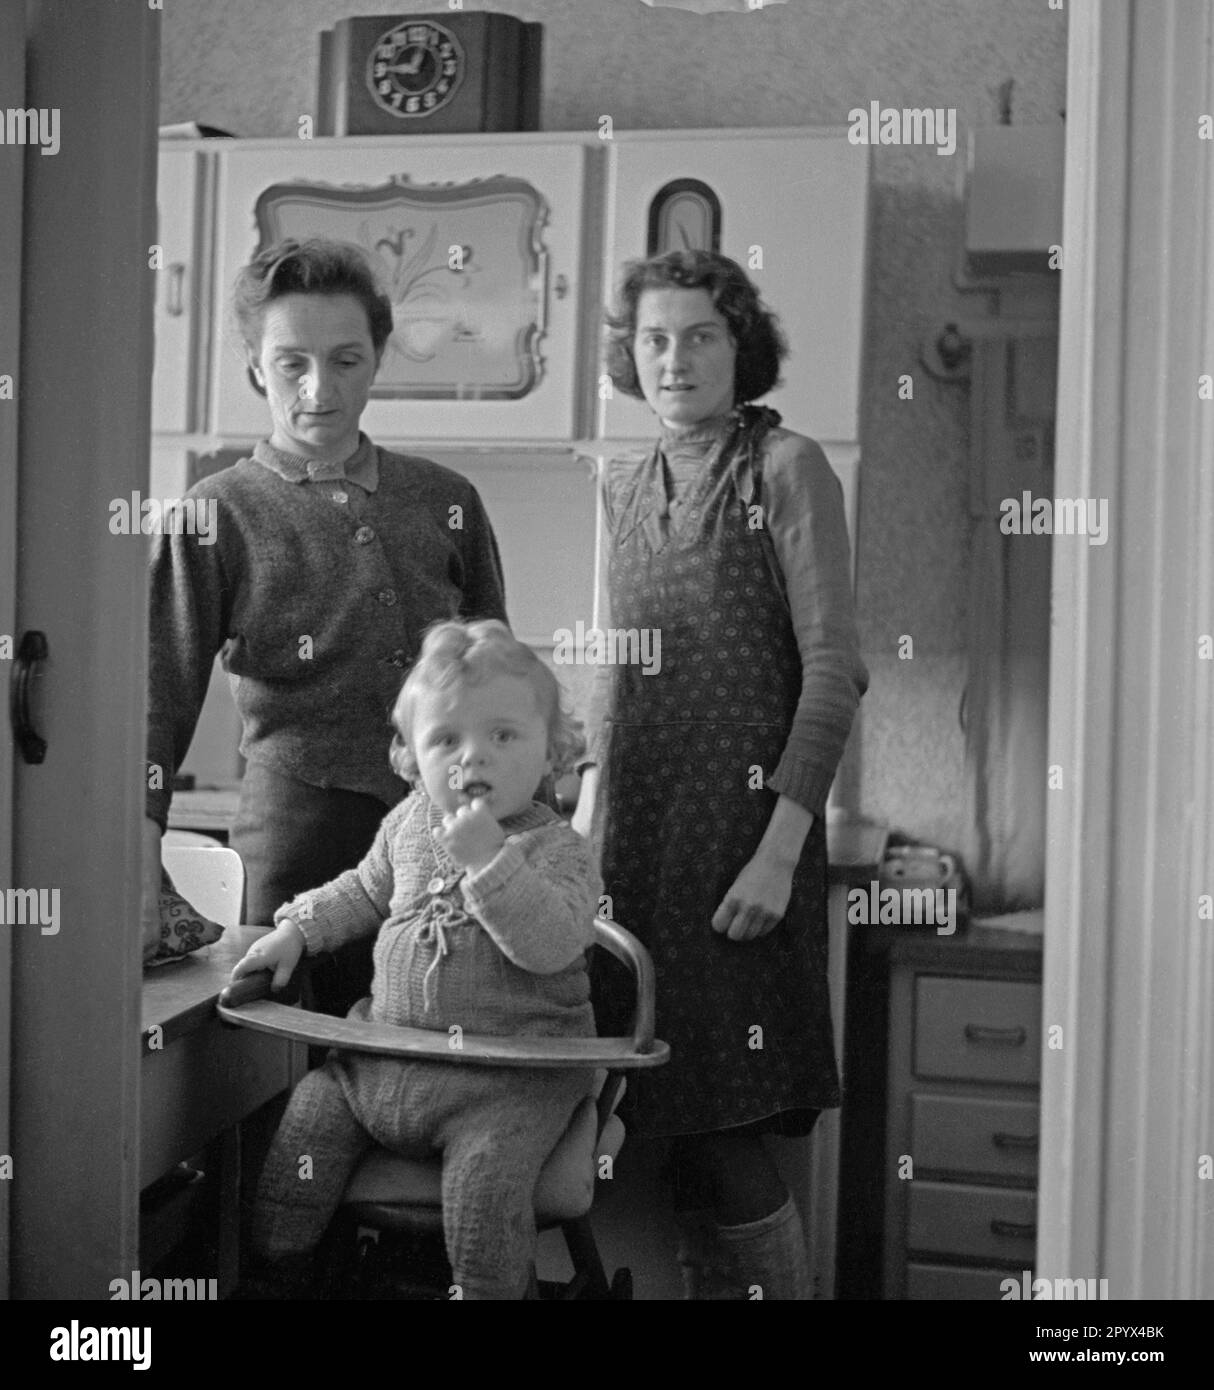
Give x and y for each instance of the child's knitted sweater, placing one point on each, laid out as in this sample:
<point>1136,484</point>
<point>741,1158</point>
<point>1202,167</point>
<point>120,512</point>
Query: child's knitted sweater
<point>500,951</point>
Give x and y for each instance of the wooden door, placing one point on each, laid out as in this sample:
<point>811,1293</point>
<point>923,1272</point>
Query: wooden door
<point>12,84</point>
<point>82,405</point>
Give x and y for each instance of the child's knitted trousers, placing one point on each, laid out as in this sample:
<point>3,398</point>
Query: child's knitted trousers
<point>495,1127</point>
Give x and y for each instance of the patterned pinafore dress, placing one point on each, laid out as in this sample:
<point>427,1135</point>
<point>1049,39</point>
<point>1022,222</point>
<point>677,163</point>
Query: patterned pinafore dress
<point>684,804</point>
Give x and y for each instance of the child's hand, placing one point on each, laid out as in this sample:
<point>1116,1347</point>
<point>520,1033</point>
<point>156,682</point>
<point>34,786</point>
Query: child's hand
<point>279,951</point>
<point>472,837</point>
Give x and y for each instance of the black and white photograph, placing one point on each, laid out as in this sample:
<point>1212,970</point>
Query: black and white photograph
<point>608,618</point>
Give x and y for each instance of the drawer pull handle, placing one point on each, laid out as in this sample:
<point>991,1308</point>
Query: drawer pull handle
<point>1022,1230</point>
<point>1022,1143</point>
<point>1000,1037</point>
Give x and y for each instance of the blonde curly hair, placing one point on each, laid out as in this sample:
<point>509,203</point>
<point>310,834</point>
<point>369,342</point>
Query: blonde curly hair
<point>453,652</point>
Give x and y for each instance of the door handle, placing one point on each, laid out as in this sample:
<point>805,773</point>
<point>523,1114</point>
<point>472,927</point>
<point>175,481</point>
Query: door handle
<point>32,650</point>
<point>1018,1230</point>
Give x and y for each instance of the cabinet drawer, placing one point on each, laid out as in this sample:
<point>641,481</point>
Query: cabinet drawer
<point>992,1223</point>
<point>966,1134</point>
<point>977,1030</point>
<point>924,1282</point>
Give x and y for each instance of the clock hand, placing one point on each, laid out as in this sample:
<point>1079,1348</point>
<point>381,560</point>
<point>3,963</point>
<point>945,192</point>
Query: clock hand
<point>409,69</point>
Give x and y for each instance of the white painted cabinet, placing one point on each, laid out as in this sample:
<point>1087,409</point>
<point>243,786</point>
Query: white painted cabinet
<point>792,212</point>
<point>480,248</point>
<point>169,469</point>
<point>496,357</point>
<point>181,311</point>
<point>543,511</point>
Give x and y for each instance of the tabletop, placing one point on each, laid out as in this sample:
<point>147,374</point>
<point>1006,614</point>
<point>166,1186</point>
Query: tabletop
<point>180,996</point>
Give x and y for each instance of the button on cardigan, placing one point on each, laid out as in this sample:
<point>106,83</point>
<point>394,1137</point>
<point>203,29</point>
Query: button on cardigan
<point>317,586</point>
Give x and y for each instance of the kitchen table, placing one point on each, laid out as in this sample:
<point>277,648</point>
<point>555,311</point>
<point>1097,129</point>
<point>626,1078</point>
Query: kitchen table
<point>202,1082</point>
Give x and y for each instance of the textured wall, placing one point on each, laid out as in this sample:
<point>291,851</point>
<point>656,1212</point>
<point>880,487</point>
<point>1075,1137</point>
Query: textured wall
<point>249,66</point>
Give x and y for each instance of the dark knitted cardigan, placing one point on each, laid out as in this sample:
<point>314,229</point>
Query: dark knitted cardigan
<point>317,588</point>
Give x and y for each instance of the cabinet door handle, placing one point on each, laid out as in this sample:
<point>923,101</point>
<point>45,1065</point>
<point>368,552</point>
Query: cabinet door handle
<point>33,649</point>
<point>1023,1143</point>
<point>998,1037</point>
<point>542,320</point>
<point>1021,1230</point>
<point>175,299</point>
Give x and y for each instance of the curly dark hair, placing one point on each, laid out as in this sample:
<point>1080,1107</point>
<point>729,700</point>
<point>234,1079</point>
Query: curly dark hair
<point>755,329</point>
<point>317,265</point>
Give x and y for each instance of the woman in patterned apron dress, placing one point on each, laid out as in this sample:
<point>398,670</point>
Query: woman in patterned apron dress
<point>712,756</point>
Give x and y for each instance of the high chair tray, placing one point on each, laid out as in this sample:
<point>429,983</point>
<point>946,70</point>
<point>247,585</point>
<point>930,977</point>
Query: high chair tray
<point>355,1035</point>
<point>245,1004</point>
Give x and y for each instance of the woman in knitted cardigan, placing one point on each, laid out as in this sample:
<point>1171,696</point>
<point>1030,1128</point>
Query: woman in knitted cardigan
<point>328,559</point>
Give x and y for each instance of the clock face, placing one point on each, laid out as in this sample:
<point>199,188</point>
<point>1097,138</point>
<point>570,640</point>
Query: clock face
<point>415,68</point>
<point>685,215</point>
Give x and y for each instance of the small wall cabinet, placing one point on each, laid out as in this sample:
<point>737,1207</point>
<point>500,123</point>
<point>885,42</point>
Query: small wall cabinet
<point>790,207</point>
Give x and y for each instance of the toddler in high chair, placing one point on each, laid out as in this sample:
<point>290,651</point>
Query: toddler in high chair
<point>482,900</point>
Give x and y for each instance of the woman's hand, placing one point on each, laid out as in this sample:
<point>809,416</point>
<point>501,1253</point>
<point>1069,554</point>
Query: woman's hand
<point>757,901</point>
<point>279,951</point>
<point>583,814</point>
<point>472,837</point>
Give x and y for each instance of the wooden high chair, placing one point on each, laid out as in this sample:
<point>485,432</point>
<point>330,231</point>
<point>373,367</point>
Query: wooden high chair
<point>398,1200</point>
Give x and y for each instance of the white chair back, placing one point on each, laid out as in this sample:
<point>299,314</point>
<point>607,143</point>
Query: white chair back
<point>210,879</point>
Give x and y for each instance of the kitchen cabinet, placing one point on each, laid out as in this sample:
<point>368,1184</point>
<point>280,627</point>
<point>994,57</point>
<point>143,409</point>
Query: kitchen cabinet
<point>479,246</point>
<point>543,512</point>
<point>503,384</point>
<point>508,345</point>
<point>792,212</point>
<point>964,1060</point>
<point>169,468</point>
<point>181,313</point>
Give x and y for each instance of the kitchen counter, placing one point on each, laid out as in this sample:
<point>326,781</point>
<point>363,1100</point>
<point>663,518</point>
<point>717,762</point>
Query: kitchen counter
<point>854,850</point>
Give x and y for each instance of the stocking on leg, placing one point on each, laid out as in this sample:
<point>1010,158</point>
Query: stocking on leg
<point>770,1255</point>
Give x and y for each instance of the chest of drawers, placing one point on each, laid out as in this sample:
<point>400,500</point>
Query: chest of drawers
<point>961,1131</point>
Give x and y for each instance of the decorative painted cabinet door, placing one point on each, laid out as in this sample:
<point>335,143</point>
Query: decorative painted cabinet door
<point>180,314</point>
<point>479,247</point>
<point>791,209</point>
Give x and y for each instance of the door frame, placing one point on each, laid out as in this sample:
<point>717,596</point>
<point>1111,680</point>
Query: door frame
<point>1128,1076</point>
